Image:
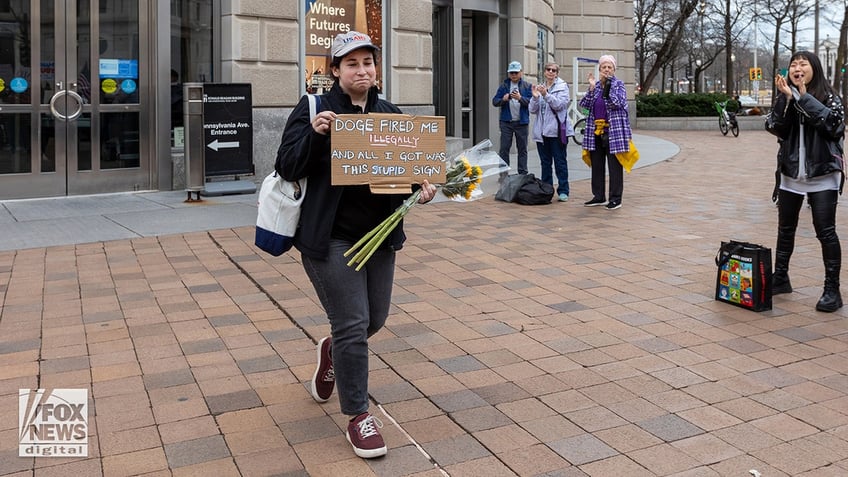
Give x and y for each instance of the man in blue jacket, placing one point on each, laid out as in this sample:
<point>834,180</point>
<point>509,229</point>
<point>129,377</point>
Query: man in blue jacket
<point>513,97</point>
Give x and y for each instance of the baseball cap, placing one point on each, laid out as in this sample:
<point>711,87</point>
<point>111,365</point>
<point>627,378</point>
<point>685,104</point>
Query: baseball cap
<point>344,43</point>
<point>513,67</point>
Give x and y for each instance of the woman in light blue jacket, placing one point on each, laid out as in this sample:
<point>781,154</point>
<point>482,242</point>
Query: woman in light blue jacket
<point>550,105</point>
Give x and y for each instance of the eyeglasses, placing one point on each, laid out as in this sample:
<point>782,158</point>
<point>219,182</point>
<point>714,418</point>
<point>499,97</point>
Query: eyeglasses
<point>555,70</point>
<point>514,72</point>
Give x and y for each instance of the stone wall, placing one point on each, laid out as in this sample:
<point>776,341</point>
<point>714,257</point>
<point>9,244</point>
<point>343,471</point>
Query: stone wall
<point>591,28</point>
<point>260,41</point>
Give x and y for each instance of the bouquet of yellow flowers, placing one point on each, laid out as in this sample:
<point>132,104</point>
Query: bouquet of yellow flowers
<point>462,183</point>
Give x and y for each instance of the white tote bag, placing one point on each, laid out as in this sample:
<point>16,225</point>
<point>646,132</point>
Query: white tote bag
<point>279,206</point>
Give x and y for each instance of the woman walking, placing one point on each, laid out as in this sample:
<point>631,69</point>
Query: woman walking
<point>332,220</point>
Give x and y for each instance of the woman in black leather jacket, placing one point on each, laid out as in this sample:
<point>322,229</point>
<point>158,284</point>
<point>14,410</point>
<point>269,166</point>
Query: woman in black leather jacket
<point>332,220</point>
<point>809,121</point>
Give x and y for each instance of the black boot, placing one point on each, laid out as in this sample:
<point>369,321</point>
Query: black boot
<point>823,205</point>
<point>789,204</point>
<point>831,299</point>
<point>780,278</point>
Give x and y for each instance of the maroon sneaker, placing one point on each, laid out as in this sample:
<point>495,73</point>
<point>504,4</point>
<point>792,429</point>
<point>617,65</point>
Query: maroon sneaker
<point>324,380</point>
<point>364,435</point>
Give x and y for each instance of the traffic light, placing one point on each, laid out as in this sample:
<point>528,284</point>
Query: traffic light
<point>755,74</point>
<point>759,73</point>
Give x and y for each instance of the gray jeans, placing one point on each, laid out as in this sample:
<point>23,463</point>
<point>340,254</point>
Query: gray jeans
<point>509,129</point>
<point>357,305</point>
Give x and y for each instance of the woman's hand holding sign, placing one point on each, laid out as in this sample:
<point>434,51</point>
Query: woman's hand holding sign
<point>322,121</point>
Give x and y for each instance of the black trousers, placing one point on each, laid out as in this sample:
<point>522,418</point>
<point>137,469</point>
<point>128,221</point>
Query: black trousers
<point>823,208</point>
<point>601,159</point>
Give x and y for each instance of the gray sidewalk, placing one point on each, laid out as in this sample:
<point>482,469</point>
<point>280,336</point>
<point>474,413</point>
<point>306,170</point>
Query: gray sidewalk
<point>84,219</point>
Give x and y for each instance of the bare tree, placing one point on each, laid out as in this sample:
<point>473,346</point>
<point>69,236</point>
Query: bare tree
<point>733,26</point>
<point>708,41</point>
<point>652,19</point>
<point>796,10</point>
<point>839,80</point>
<point>668,44</point>
<point>777,12</point>
<point>645,29</point>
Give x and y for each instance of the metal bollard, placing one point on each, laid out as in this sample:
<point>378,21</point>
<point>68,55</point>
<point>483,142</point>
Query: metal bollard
<point>195,160</point>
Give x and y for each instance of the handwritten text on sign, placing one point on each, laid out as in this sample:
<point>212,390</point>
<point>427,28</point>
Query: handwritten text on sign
<point>388,151</point>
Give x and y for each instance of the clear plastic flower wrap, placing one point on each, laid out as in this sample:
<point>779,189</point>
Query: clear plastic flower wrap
<point>466,172</point>
<point>464,175</point>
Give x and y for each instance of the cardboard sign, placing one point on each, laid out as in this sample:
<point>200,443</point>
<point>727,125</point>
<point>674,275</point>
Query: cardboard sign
<point>388,151</point>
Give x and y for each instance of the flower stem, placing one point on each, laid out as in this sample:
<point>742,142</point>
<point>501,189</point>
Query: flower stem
<point>377,238</point>
<point>374,238</point>
<point>377,243</point>
<point>365,237</point>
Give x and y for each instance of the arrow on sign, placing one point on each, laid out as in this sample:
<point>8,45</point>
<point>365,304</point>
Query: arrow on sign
<point>215,145</point>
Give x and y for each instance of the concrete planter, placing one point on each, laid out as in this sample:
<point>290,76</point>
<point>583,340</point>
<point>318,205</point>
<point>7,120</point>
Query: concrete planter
<point>704,123</point>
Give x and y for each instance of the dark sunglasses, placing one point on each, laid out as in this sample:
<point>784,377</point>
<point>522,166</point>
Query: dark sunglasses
<point>514,72</point>
<point>555,70</point>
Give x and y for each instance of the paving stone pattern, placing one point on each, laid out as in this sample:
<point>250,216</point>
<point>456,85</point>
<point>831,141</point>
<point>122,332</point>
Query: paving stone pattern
<point>551,340</point>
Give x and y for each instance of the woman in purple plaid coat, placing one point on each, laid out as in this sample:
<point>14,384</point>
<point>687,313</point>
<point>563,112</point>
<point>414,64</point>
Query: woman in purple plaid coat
<point>607,132</point>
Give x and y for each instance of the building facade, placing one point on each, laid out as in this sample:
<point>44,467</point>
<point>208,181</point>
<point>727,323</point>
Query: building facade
<point>91,92</point>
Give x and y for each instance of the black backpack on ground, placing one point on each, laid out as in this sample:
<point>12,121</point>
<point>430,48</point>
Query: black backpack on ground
<point>510,186</point>
<point>534,192</point>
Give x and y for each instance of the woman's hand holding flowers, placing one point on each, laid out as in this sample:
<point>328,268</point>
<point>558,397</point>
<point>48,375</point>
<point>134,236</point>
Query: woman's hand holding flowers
<point>428,191</point>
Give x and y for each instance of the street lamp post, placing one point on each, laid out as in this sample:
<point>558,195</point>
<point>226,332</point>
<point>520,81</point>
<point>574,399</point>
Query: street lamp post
<point>827,55</point>
<point>703,13</point>
<point>732,73</point>
<point>755,85</point>
<point>700,75</point>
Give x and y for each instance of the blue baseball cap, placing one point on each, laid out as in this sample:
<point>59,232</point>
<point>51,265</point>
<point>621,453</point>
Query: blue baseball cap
<point>514,67</point>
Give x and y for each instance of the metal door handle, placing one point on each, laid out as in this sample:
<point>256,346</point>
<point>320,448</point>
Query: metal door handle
<point>72,94</point>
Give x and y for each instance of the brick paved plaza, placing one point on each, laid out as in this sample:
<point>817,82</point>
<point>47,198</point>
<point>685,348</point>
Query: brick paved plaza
<point>552,340</point>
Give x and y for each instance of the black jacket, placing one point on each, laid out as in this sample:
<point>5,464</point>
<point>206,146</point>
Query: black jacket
<point>305,153</point>
<point>824,128</point>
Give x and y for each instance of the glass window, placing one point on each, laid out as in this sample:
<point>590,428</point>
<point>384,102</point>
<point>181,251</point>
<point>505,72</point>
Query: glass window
<point>15,55</point>
<point>326,19</point>
<point>118,67</point>
<point>15,145</point>
<point>191,52</point>
<point>543,51</point>
<point>119,140</point>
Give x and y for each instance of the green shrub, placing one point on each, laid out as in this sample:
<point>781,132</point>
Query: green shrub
<point>679,105</point>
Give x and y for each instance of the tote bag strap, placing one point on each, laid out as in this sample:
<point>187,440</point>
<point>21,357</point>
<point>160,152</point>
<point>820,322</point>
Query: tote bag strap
<point>721,261</point>
<point>314,105</point>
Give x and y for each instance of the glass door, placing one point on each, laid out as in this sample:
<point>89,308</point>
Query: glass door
<point>74,97</point>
